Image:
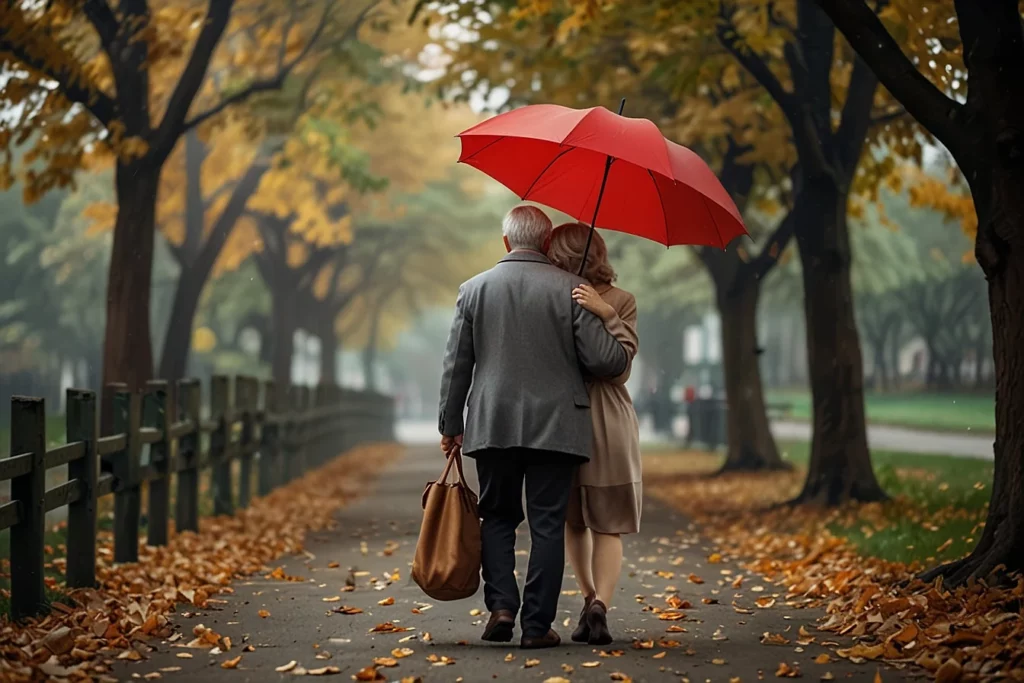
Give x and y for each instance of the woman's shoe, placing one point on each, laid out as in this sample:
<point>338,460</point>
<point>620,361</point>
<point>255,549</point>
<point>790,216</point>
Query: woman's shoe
<point>582,632</point>
<point>597,623</point>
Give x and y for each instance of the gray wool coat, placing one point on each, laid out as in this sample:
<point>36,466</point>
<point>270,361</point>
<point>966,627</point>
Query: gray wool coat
<point>517,353</point>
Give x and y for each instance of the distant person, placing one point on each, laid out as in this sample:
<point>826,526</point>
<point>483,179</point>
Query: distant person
<point>608,490</point>
<point>523,342</point>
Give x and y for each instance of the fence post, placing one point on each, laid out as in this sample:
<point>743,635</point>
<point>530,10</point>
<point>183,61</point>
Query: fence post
<point>28,435</point>
<point>156,409</point>
<point>244,395</point>
<point>270,461</point>
<point>186,516</point>
<point>82,425</point>
<point>127,419</point>
<point>220,410</point>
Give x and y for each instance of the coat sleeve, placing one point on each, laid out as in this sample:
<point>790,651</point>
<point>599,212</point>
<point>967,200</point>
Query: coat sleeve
<point>598,351</point>
<point>623,328</point>
<point>457,368</point>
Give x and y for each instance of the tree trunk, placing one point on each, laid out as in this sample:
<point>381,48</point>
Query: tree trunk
<point>328,352</point>
<point>881,378</point>
<point>283,328</point>
<point>751,445</point>
<point>127,345</point>
<point>840,464</point>
<point>370,352</point>
<point>178,340</point>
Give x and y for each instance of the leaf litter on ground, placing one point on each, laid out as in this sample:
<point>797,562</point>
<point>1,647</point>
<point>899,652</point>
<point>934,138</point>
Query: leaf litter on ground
<point>971,632</point>
<point>132,602</point>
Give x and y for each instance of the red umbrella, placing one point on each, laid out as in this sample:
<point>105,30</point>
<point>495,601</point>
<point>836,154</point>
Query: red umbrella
<point>619,173</point>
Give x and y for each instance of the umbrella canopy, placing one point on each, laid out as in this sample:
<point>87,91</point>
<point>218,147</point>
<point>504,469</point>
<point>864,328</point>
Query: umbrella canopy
<point>557,156</point>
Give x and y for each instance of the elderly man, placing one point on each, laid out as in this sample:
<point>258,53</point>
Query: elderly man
<point>523,343</point>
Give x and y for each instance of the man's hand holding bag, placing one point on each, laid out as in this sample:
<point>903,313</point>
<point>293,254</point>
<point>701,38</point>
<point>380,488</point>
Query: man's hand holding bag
<point>447,561</point>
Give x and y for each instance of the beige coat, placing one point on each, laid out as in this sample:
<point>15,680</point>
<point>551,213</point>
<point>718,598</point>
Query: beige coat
<point>608,493</point>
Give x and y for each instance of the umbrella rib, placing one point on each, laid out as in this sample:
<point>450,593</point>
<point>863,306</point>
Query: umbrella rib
<point>495,140</point>
<point>661,200</point>
<point>704,202</point>
<point>546,168</point>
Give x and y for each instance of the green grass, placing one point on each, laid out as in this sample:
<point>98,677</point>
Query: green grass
<point>954,412</point>
<point>938,504</point>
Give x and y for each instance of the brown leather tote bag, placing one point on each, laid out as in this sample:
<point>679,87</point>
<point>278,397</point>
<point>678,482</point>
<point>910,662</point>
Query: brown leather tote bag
<point>447,561</point>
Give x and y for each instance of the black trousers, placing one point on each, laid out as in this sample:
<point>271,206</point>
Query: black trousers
<point>548,479</point>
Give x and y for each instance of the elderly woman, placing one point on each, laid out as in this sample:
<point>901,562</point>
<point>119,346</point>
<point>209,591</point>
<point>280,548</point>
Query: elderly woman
<point>606,498</point>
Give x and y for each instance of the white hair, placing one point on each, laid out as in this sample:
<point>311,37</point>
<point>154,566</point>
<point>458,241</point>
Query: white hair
<point>526,227</point>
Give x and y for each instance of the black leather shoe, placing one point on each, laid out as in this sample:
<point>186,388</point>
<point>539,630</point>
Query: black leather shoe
<point>582,632</point>
<point>597,622</point>
<point>549,639</point>
<point>499,627</point>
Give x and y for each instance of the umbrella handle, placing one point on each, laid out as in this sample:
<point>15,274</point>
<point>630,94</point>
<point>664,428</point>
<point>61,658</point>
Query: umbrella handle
<point>597,206</point>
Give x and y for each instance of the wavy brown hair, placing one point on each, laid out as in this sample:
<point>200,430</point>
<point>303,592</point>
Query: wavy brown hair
<point>566,251</point>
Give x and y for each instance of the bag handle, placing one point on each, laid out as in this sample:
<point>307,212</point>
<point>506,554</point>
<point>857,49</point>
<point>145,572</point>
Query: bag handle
<point>457,458</point>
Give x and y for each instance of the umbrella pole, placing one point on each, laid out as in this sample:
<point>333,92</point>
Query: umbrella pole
<point>597,206</point>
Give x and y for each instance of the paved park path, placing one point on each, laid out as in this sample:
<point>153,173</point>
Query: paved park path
<point>287,621</point>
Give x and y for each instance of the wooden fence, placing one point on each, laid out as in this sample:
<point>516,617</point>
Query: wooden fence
<point>160,432</point>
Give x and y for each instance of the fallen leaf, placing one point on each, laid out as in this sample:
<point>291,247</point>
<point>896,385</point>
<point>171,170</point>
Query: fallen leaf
<point>369,673</point>
<point>347,609</point>
<point>386,662</point>
<point>531,663</point>
<point>386,602</point>
<point>822,659</point>
<point>695,579</point>
<point>950,672</point>
<point>263,613</point>
<point>765,602</point>
<point>284,668</point>
<point>401,652</point>
<point>388,627</point>
<point>557,679</point>
<point>862,651</point>
<point>619,676</point>
<point>660,655</point>
<point>336,598</point>
<point>184,655</point>
<point>590,665</point>
<point>773,639</point>
<point>231,663</point>
<point>718,661</point>
<point>786,671</point>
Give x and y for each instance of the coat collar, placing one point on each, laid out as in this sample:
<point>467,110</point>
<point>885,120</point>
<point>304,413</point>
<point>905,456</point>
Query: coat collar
<point>527,256</point>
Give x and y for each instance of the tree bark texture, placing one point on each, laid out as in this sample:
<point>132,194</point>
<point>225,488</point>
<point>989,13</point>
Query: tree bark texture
<point>751,444</point>
<point>994,54</point>
<point>840,465</point>
<point>127,344</point>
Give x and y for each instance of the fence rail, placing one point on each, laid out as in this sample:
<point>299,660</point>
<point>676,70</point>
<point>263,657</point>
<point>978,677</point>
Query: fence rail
<point>160,433</point>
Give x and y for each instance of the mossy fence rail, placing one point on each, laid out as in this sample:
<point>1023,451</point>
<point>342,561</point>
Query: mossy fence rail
<point>155,434</point>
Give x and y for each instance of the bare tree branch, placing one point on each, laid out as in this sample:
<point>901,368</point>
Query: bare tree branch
<point>102,18</point>
<point>173,125</point>
<point>889,117</point>
<point>277,80</point>
<point>731,40</point>
<point>855,120</point>
<point>941,115</point>
<point>769,255</point>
